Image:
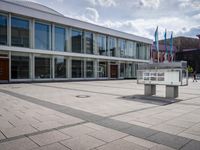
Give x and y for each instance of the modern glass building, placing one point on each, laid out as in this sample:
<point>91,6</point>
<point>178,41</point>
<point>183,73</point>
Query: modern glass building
<point>38,43</point>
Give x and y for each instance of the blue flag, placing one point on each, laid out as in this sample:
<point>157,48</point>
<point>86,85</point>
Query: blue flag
<point>165,37</point>
<point>156,39</point>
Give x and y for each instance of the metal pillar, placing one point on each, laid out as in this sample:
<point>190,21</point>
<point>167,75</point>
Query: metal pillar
<point>149,89</point>
<point>171,91</point>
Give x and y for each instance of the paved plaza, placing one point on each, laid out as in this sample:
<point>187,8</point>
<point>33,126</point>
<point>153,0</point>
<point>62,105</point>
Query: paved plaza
<point>97,115</point>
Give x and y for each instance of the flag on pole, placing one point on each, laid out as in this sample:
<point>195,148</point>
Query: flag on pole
<point>171,46</point>
<point>165,41</point>
<point>156,42</point>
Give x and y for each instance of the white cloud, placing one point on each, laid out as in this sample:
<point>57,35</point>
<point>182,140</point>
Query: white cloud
<point>149,3</point>
<point>195,4</point>
<point>89,15</point>
<point>104,3</point>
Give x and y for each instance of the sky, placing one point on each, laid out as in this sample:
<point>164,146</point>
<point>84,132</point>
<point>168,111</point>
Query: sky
<point>139,17</point>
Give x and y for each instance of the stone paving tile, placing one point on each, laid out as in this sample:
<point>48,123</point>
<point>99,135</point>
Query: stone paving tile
<point>138,123</point>
<point>5,124</point>
<point>121,145</point>
<point>55,146</point>
<point>19,144</point>
<point>180,123</point>
<point>193,145</point>
<point>49,137</point>
<point>161,147</point>
<point>190,136</point>
<point>84,142</point>
<point>114,124</point>
<point>77,130</point>
<point>107,135</point>
<point>168,140</point>
<point>140,132</point>
<point>94,126</point>
<point>46,125</point>
<point>16,131</point>
<point>2,136</point>
<point>141,142</point>
<point>168,128</point>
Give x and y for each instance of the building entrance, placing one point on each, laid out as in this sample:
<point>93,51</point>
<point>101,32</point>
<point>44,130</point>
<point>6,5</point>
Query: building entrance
<point>4,70</point>
<point>114,71</point>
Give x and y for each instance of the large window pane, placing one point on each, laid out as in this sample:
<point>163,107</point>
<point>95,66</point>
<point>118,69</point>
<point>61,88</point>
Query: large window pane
<point>60,42</point>
<point>112,46</point>
<point>19,32</point>
<point>3,30</point>
<point>129,70</point>
<point>103,69</point>
<point>122,70</point>
<point>89,42</point>
<point>42,39</point>
<point>76,41</point>
<point>122,47</point>
<point>60,67</point>
<point>129,50</point>
<point>101,45</point>
<point>20,67</point>
<point>42,67</point>
<point>90,69</point>
<point>77,68</point>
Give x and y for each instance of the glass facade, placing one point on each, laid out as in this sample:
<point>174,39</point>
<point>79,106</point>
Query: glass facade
<point>76,40</point>
<point>129,70</point>
<point>42,67</point>
<point>3,30</point>
<point>90,69</point>
<point>101,45</point>
<point>60,40</point>
<point>60,67</point>
<point>20,67</point>
<point>112,46</point>
<point>89,42</point>
<point>122,47</point>
<point>122,69</point>
<point>19,32</point>
<point>42,36</point>
<point>77,69</point>
<point>103,69</point>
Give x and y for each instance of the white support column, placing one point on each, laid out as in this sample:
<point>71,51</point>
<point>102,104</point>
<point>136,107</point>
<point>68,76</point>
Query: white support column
<point>96,68</point>
<point>53,67</point>
<point>119,69</point>
<point>69,66</point>
<point>109,69</point>
<point>30,33</point>
<point>9,56</point>
<point>9,29</point>
<point>108,45</point>
<point>33,66</point>
<point>95,44</point>
<point>69,45</point>
<point>84,68</point>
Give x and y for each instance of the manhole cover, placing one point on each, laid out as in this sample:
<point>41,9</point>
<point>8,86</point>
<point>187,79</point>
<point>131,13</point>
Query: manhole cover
<point>82,96</point>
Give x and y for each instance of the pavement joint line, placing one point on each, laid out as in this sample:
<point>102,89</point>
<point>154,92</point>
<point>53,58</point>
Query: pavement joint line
<point>114,124</point>
<point>40,132</point>
<point>36,84</point>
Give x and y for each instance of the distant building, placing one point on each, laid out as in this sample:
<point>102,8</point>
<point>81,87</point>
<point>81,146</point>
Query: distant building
<point>191,55</point>
<point>183,43</point>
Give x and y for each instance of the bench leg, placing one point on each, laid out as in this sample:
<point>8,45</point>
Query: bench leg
<point>149,89</point>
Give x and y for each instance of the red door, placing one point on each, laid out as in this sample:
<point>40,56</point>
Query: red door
<point>113,71</point>
<point>4,69</point>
